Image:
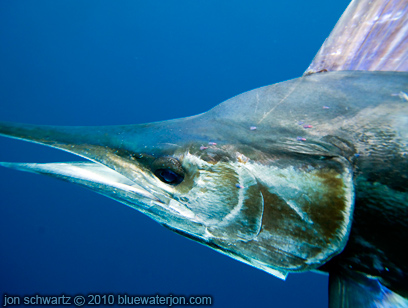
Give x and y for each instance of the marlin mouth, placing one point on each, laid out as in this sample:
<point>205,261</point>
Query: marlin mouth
<point>118,164</point>
<point>106,169</point>
<point>93,175</point>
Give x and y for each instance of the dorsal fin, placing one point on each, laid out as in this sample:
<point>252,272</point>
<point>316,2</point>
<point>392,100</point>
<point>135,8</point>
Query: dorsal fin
<point>371,35</point>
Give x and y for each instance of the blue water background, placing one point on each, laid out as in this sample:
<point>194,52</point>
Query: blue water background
<point>124,62</point>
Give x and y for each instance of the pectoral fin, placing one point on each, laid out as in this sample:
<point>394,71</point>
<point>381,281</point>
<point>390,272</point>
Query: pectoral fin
<point>348,289</point>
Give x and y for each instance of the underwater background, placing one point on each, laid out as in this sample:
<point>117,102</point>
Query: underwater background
<point>123,62</point>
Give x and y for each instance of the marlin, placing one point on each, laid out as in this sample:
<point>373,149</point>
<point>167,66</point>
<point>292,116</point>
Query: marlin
<point>309,174</point>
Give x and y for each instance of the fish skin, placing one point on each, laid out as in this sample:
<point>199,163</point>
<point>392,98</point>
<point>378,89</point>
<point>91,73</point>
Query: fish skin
<point>358,153</point>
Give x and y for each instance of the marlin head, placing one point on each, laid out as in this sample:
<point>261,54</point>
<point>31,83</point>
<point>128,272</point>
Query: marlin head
<point>255,193</point>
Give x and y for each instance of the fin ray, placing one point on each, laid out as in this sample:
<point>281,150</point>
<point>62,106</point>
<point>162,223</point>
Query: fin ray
<point>371,35</point>
<point>348,289</point>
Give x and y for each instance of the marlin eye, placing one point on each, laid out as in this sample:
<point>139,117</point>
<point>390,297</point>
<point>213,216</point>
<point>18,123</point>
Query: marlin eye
<point>168,169</point>
<point>168,176</point>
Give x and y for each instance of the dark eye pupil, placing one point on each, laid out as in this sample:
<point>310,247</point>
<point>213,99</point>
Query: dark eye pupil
<point>168,176</point>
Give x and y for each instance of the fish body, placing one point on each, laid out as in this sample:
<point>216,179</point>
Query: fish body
<point>291,177</point>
